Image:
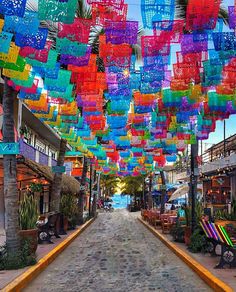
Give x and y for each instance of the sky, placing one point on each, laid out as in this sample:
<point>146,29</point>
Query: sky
<point>134,13</point>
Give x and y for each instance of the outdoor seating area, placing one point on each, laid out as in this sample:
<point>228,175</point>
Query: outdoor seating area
<point>218,239</point>
<point>164,221</point>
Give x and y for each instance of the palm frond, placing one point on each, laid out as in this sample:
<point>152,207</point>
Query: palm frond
<point>84,10</point>
<point>181,11</point>
<point>223,14</point>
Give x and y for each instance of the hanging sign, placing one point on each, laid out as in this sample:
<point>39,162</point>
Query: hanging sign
<point>9,148</point>
<point>73,153</point>
<point>58,169</point>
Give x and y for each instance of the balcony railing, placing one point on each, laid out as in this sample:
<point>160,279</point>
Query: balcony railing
<point>32,153</point>
<point>221,150</point>
<point>43,158</point>
<point>27,150</point>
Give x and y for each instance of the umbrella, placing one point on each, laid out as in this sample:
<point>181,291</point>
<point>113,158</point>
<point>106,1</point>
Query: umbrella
<point>179,192</point>
<point>183,190</point>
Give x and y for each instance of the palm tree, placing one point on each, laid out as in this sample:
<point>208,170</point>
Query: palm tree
<point>57,180</point>
<point>108,185</point>
<point>132,185</point>
<point>11,199</point>
<point>163,191</point>
<point>82,191</point>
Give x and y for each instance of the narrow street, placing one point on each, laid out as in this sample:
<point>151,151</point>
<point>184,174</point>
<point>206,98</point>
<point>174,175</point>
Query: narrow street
<point>117,253</point>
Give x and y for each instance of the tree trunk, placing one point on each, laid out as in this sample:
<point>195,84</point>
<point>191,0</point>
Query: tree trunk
<point>95,196</point>
<point>82,191</point>
<point>90,187</point>
<point>144,196</point>
<point>10,179</point>
<point>193,183</point>
<point>163,191</point>
<point>56,184</point>
<point>150,193</point>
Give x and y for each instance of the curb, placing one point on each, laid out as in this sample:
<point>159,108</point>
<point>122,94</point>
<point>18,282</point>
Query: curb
<point>212,281</point>
<point>25,278</point>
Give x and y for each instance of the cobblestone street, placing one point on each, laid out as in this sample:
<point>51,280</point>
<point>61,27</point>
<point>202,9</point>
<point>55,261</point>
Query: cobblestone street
<point>118,254</point>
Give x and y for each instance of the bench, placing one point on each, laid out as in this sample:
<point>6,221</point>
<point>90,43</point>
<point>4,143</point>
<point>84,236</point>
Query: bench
<point>48,227</point>
<point>217,235</point>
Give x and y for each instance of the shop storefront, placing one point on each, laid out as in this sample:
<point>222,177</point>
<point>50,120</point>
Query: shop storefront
<point>36,179</point>
<point>217,192</point>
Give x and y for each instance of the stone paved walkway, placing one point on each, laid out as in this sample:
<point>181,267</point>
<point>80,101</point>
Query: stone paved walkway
<point>117,254</point>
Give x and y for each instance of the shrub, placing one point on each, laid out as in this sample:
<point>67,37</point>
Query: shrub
<point>178,233</point>
<point>12,261</point>
<point>198,241</point>
<point>69,208</point>
<point>28,212</point>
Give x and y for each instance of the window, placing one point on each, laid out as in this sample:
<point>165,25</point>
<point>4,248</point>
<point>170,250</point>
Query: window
<point>40,146</point>
<point>52,154</point>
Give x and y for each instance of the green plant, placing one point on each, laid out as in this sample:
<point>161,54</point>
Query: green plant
<point>28,212</point>
<point>198,211</point>
<point>198,241</point>
<point>36,187</point>
<point>69,208</point>
<point>234,207</point>
<point>224,215</point>
<point>177,233</point>
<point>12,261</point>
<point>188,215</point>
<point>24,130</point>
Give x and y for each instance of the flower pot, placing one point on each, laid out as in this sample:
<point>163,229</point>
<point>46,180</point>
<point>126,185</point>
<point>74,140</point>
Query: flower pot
<point>31,235</point>
<point>63,224</point>
<point>187,235</point>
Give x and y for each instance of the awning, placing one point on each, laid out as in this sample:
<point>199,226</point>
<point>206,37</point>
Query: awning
<point>69,184</point>
<point>181,191</point>
<point>28,170</point>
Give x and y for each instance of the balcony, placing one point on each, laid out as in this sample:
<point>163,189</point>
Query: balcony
<point>182,176</point>
<point>220,163</point>
<point>220,156</point>
<point>32,153</point>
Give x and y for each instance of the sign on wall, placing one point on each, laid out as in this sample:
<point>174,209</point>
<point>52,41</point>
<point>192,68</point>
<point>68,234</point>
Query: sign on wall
<point>58,169</point>
<point>221,181</point>
<point>9,148</point>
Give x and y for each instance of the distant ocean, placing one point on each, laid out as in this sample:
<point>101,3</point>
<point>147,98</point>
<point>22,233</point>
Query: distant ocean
<point>120,202</point>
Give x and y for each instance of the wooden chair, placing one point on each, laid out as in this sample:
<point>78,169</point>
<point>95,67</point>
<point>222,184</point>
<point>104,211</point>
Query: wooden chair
<point>182,222</point>
<point>166,226</point>
<point>156,220</point>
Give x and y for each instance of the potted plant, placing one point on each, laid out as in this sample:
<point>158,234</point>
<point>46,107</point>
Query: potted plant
<point>187,230</point>
<point>69,210</point>
<point>198,241</point>
<point>28,217</point>
<point>223,218</point>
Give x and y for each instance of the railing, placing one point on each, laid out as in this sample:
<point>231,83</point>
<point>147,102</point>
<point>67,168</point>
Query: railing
<point>27,150</point>
<point>32,153</point>
<point>221,150</point>
<point>43,158</point>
